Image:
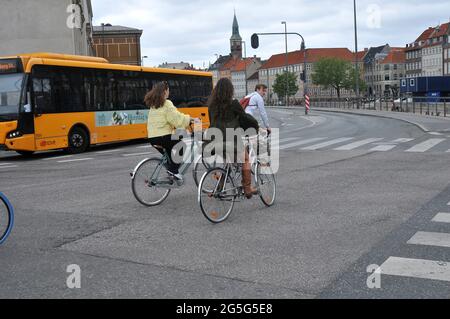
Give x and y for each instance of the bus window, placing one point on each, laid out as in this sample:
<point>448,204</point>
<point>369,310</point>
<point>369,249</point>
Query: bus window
<point>43,95</point>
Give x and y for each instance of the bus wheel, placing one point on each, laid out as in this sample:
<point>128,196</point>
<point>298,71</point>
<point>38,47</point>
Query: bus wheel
<point>78,141</point>
<point>25,153</point>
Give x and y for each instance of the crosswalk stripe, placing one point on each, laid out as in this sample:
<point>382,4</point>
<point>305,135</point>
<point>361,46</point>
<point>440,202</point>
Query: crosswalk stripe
<point>300,143</point>
<point>383,148</point>
<point>326,144</point>
<point>355,145</point>
<point>416,268</point>
<point>442,218</point>
<point>425,146</point>
<point>431,239</point>
<point>403,140</point>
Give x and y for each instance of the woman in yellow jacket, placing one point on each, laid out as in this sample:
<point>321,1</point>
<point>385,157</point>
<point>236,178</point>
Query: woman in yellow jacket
<point>163,120</point>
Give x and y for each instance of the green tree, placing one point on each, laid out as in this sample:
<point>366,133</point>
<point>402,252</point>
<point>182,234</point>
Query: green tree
<point>332,73</point>
<point>350,82</point>
<point>279,86</point>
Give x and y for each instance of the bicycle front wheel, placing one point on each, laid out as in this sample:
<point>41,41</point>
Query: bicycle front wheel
<point>217,195</point>
<point>266,183</point>
<point>149,183</point>
<point>6,218</point>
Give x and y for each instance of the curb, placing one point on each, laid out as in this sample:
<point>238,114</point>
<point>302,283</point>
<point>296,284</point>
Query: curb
<point>420,126</point>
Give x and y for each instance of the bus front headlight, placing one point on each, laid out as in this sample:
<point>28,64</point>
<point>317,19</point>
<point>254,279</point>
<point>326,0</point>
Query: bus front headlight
<point>14,134</point>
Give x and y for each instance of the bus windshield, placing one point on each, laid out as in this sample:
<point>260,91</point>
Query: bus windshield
<point>10,91</point>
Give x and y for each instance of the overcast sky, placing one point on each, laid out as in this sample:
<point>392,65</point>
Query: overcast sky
<point>195,30</point>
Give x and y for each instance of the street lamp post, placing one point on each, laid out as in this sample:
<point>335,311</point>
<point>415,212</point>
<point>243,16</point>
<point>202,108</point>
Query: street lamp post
<point>142,60</point>
<point>356,56</point>
<point>287,62</point>
<point>245,66</point>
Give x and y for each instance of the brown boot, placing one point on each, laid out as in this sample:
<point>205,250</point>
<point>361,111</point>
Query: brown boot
<point>249,191</point>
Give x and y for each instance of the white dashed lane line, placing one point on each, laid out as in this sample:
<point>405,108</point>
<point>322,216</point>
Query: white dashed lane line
<point>57,158</point>
<point>137,154</point>
<point>75,160</point>
<point>108,152</point>
<point>6,167</point>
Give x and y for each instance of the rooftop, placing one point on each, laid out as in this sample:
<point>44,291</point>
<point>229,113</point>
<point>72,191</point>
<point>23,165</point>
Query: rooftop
<point>115,29</point>
<point>312,56</point>
<point>395,56</point>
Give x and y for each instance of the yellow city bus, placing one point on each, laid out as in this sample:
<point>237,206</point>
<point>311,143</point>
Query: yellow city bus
<point>53,101</point>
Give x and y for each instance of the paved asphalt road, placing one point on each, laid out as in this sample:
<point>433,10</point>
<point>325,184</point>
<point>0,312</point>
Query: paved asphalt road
<point>354,191</point>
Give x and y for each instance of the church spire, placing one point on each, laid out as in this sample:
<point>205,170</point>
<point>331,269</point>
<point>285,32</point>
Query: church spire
<point>236,40</point>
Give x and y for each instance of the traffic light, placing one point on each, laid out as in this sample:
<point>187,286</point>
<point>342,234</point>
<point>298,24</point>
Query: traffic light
<point>303,76</point>
<point>255,41</point>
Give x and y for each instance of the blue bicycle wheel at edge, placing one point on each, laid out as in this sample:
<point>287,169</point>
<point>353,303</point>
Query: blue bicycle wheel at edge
<point>6,218</point>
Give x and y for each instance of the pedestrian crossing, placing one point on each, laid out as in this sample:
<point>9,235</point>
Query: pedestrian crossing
<point>371,144</point>
<point>420,268</point>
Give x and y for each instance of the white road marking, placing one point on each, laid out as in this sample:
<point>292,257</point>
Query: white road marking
<point>5,164</point>
<point>383,148</point>
<point>76,160</point>
<point>300,143</point>
<point>403,140</point>
<point>355,145</point>
<point>442,218</point>
<point>448,204</point>
<point>108,152</point>
<point>326,144</point>
<point>145,146</point>
<point>137,154</point>
<point>436,133</point>
<point>416,268</point>
<point>431,239</point>
<point>425,146</point>
<point>57,158</point>
<point>6,167</point>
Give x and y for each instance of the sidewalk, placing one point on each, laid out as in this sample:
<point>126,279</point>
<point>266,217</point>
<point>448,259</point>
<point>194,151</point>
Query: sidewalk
<point>424,122</point>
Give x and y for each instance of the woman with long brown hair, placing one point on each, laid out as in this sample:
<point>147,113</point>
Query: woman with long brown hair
<point>228,114</point>
<point>163,120</point>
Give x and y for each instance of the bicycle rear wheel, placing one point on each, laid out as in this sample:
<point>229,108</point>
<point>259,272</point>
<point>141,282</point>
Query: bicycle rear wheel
<point>6,218</point>
<point>266,183</point>
<point>146,183</point>
<point>217,195</point>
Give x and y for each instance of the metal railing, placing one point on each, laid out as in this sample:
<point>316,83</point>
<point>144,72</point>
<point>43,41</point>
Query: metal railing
<point>431,106</point>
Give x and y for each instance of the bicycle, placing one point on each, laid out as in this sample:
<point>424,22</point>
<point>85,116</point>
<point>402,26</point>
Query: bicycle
<point>222,185</point>
<point>6,218</point>
<point>151,185</point>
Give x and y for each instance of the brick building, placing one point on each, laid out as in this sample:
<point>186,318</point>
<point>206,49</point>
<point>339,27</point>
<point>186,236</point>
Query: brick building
<point>277,65</point>
<point>118,44</point>
<point>428,54</point>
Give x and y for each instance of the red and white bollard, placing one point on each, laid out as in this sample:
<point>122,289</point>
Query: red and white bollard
<point>307,104</point>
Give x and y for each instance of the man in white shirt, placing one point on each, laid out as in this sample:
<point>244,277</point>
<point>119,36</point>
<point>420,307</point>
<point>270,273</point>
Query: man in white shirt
<point>256,105</point>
